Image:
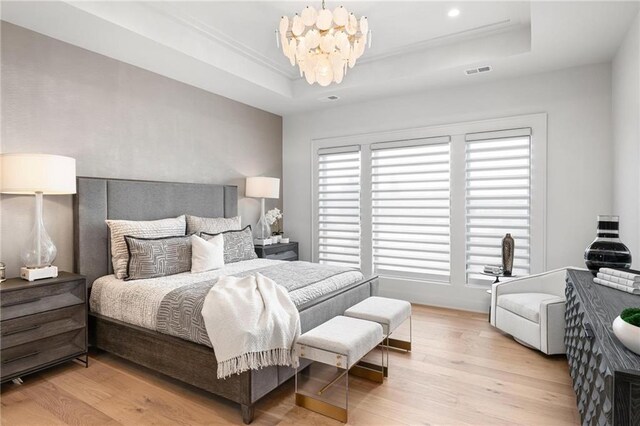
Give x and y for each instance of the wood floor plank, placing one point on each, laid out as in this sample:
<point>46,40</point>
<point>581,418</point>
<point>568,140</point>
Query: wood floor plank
<point>461,371</point>
<point>18,409</point>
<point>65,406</point>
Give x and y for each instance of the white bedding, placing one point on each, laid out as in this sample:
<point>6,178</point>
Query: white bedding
<point>137,302</point>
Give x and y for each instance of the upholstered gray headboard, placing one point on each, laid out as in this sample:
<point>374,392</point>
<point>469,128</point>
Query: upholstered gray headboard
<point>98,199</point>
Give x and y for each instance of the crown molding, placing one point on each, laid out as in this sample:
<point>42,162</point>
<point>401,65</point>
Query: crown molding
<point>196,25</point>
<point>456,37</point>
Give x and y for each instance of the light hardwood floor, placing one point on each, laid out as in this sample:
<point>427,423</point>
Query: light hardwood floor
<point>461,371</point>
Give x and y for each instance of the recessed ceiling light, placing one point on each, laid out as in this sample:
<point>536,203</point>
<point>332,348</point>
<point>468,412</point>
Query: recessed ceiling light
<point>453,13</point>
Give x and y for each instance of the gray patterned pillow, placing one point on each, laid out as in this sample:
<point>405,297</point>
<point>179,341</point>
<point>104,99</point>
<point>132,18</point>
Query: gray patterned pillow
<point>140,229</point>
<point>157,257</point>
<point>238,245</point>
<point>212,225</point>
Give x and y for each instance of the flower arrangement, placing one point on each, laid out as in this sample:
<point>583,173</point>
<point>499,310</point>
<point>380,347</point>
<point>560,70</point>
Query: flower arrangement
<point>274,217</point>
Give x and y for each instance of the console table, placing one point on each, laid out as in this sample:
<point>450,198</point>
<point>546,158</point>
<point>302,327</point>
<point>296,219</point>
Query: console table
<point>606,375</point>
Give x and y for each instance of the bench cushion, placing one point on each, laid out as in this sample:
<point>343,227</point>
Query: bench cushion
<point>342,335</point>
<point>526,305</point>
<point>390,313</point>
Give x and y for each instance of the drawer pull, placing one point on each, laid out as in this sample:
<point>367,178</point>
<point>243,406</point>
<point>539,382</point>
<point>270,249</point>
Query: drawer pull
<point>588,331</point>
<point>22,302</point>
<point>7,361</point>
<point>21,330</point>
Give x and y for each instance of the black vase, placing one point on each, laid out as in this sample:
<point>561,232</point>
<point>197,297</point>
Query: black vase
<point>508,251</point>
<point>607,251</point>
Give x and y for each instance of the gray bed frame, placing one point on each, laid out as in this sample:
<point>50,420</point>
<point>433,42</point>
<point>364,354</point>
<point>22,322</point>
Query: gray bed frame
<point>98,199</point>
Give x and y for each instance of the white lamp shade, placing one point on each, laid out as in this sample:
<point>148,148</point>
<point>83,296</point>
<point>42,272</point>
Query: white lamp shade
<point>263,187</point>
<point>31,173</point>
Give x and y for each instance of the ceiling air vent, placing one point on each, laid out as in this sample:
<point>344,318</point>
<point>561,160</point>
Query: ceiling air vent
<point>478,70</point>
<point>330,98</point>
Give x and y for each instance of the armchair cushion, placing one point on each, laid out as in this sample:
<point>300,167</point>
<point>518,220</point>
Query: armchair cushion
<point>526,305</point>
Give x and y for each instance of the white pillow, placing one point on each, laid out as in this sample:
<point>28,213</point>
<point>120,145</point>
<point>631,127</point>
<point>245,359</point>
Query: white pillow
<point>206,254</point>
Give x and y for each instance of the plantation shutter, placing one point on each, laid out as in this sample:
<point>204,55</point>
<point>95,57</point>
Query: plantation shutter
<point>498,199</point>
<point>339,206</point>
<point>410,208</point>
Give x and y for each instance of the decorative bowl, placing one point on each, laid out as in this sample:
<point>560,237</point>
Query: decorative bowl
<point>629,335</point>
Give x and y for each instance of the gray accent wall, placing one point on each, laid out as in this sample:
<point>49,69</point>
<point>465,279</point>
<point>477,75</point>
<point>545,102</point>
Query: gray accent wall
<point>119,121</point>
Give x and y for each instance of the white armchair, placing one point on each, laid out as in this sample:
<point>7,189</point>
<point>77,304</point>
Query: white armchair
<point>531,309</point>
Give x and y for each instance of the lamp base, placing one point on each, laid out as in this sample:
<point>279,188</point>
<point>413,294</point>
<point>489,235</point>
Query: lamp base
<point>32,274</point>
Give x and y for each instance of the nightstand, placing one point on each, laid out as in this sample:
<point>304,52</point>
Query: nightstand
<point>43,323</point>
<point>288,251</point>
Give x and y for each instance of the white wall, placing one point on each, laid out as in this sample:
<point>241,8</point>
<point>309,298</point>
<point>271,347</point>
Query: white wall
<point>119,121</point>
<point>579,181</point>
<point>626,136</point>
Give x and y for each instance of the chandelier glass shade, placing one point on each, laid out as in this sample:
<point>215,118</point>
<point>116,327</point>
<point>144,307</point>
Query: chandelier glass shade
<point>322,43</point>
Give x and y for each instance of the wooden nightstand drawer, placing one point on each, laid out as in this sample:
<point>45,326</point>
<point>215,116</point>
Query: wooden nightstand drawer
<point>34,355</point>
<point>43,323</point>
<point>26,329</point>
<point>28,301</point>
<point>283,251</point>
<point>284,255</point>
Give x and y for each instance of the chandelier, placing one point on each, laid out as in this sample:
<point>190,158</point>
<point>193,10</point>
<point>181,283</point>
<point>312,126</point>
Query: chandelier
<point>323,43</point>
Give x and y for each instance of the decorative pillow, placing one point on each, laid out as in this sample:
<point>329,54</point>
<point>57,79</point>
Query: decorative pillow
<point>139,229</point>
<point>238,245</point>
<point>212,225</point>
<point>207,254</point>
<point>157,257</point>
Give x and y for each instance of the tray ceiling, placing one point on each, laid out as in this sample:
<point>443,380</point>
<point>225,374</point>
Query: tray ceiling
<point>229,47</point>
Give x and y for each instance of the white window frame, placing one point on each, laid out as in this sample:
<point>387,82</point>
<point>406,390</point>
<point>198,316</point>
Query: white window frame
<point>457,132</point>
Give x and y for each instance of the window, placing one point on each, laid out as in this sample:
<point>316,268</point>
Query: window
<point>339,206</point>
<point>430,206</point>
<point>497,199</point>
<point>410,208</point>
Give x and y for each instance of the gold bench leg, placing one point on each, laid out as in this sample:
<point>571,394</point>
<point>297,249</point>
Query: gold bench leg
<point>375,367</point>
<point>366,370</point>
<point>360,370</point>
<point>400,344</point>
<point>321,407</point>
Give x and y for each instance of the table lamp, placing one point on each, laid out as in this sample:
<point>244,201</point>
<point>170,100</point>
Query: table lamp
<point>262,187</point>
<point>37,174</point>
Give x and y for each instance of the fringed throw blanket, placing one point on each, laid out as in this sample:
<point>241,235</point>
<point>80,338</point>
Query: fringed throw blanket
<point>251,322</point>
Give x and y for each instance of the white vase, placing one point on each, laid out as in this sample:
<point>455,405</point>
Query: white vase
<point>628,334</point>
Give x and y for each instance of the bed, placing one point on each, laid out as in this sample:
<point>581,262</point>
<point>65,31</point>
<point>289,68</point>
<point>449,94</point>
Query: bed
<point>190,360</point>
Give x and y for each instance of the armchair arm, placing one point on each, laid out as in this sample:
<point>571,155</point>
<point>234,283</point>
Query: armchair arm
<point>551,282</point>
<point>552,326</point>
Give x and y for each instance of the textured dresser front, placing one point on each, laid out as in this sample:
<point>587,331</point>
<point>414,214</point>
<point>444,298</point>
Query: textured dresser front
<point>606,375</point>
<point>592,377</point>
<point>41,324</point>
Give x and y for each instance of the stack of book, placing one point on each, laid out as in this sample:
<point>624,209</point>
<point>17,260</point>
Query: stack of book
<point>622,279</point>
